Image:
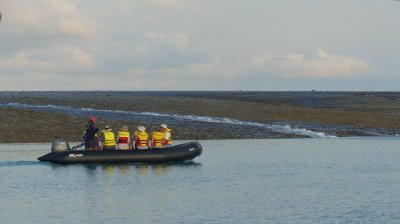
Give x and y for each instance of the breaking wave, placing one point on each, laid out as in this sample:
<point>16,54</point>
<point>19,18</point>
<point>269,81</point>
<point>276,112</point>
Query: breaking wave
<point>288,129</point>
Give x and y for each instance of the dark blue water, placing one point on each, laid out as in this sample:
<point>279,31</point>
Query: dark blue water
<point>234,181</point>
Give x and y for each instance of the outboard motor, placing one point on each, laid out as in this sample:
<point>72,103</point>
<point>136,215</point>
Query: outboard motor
<point>60,145</point>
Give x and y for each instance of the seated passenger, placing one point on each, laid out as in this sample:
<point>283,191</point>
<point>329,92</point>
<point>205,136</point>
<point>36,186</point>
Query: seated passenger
<point>107,139</point>
<point>123,139</point>
<point>161,138</point>
<point>167,136</point>
<point>141,138</point>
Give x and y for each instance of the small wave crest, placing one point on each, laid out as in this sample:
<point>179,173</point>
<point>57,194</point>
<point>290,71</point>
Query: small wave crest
<point>287,129</point>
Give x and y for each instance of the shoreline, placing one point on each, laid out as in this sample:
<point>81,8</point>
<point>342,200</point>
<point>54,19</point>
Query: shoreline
<point>332,113</point>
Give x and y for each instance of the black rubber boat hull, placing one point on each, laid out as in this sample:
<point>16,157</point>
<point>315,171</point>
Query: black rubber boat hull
<point>176,153</point>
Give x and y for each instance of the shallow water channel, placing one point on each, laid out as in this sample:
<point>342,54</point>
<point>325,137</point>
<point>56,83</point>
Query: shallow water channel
<point>322,180</point>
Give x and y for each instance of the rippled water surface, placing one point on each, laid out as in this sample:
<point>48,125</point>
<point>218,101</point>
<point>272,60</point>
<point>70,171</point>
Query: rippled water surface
<point>234,181</point>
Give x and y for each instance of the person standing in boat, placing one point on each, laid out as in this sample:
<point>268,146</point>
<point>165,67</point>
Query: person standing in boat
<point>123,139</point>
<point>141,138</point>
<point>107,139</point>
<point>90,135</point>
<point>161,138</point>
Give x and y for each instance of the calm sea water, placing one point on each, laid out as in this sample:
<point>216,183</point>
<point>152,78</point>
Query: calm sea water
<point>234,181</point>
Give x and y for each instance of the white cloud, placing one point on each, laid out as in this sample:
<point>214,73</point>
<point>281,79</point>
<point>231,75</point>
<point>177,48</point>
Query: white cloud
<point>49,65</point>
<point>22,62</point>
<point>196,76</point>
<point>143,49</point>
<point>219,72</point>
<point>49,17</point>
<point>323,65</point>
<point>173,4</point>
<point>62,6</point>
<point>24,15</point>
<point>34,81</point>
<point>178,40</point>
<point>82,59</point>
<point>54,60</point>
<point>75,28</point>
<point>157,38</point>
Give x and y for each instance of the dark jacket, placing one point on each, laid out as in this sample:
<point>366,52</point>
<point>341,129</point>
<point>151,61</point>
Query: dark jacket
<point>90,133</point>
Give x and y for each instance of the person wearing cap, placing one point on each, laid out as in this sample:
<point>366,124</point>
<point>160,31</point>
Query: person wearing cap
<point>141,138</point>
<point>90,135</point>
<point>161,138</point>
<point>123,139</point>
<point>107,139</point>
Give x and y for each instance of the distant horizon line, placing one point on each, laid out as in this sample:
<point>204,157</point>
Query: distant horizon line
<point>377,91</point>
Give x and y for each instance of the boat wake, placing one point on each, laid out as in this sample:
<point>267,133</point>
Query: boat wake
<point>19,163</point>
<point>164,117</point>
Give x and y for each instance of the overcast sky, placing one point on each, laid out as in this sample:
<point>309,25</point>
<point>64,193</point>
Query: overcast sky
<point>200,45</point>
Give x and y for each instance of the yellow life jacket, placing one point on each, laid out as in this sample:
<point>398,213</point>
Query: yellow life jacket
<point>141,138</point>
<point>157,136</point>
<point>109,138</point>
<point>170,136</point>
<point>123,136</point>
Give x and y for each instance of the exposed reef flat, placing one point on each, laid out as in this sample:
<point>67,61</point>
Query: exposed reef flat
<point>42,116</point>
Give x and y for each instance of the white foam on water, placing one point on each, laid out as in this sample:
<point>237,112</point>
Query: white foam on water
<point>219,120</point>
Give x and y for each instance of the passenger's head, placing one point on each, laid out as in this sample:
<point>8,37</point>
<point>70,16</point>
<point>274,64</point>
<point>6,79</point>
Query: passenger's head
<point>124,128</point>
<point>108,128</point>
<point>141,128</point>
<point>92,120</point>
<point>164,126</point>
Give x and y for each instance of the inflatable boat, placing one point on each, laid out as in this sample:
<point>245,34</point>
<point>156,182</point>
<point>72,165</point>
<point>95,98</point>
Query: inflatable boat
<point>62,154</point>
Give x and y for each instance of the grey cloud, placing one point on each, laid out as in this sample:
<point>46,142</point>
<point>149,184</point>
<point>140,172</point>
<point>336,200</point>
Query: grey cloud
<point>198,45</point>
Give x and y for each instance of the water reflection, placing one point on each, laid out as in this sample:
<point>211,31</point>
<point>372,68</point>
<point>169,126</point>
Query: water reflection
<point>91,170</point>
<point>158,169</point>
<point>124,169</point>
<point>143,169</point>
<point>111,169</point>
<point>163,168</point>
<point>127,169</point>
<point>114,169</point>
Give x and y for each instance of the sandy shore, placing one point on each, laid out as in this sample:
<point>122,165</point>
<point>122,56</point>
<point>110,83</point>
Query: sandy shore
<point>334,113</point>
